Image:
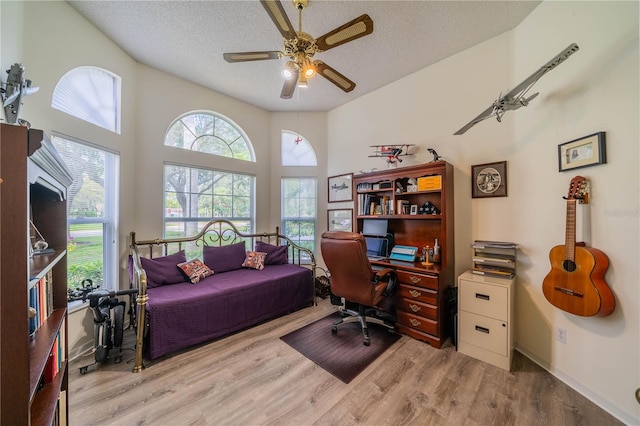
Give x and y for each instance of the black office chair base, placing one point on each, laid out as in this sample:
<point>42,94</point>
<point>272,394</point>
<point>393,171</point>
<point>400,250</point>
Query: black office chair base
<point>360,316</point>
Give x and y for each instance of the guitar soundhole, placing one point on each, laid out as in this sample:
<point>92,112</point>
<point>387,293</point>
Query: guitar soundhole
<point>569,265</point>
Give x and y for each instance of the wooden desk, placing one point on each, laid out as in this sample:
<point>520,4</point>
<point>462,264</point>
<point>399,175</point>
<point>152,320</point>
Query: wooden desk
<point>420,302</point>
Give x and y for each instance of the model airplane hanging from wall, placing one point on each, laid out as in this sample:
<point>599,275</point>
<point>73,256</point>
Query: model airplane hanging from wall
<point>16,87</point>
<point>517,97</point>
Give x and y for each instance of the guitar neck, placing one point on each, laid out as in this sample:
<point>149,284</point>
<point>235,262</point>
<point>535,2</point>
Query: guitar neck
<point>570,232</point>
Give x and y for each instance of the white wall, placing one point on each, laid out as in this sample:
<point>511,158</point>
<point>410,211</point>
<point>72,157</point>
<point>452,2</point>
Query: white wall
<point>595,90</point>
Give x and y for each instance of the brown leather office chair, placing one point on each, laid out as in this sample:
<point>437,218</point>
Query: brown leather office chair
<point>345,254</point>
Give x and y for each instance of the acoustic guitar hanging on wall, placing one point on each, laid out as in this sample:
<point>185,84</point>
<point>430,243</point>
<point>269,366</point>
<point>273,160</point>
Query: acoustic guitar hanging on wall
<point>576,282</point>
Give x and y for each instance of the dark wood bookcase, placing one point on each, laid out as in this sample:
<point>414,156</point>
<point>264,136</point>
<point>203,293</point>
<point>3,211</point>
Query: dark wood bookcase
<point>32,392</point>
<point>421,302</point>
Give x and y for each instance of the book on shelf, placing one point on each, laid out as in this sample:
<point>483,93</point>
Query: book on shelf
<point>41,301</point>
<point>402,206</point>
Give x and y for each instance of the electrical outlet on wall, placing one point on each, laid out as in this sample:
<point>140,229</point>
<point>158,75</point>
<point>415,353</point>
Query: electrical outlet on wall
<point>561,335</point>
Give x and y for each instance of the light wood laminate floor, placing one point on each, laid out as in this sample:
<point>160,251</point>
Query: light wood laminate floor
<point>253,378</point>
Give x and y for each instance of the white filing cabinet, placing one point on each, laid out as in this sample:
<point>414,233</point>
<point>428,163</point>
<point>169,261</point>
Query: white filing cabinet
<point>485,318</point>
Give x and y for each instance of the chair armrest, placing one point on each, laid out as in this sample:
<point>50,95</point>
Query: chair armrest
<point>391,284</point>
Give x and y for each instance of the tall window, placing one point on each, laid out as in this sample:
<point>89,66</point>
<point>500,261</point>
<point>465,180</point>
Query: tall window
<point>209,133</point>
<point>296,150</point>
<point>299,201</point>
<point>91,94</point>
<point>193,196</point>
<point>92,212</point>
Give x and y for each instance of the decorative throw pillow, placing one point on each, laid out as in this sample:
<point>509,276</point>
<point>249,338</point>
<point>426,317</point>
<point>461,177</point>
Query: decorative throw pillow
<point>162,270</point>
<point>224,258</point>
<point>255,260</point>
<point>195,270</point>
<point>276,255</point>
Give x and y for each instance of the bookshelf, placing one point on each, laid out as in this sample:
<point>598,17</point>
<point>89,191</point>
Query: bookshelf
<point>426,191</point>
<point>33,349</point>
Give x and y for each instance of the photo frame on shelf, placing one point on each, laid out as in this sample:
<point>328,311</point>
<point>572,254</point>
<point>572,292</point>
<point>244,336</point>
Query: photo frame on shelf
<point>582,152</point>
<point>489,180</point>
<point>340,188</point>
<point>340,220</point>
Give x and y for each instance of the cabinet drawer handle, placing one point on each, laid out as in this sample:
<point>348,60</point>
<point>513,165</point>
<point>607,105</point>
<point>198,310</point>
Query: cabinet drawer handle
<point>482,296</point>
<point>482,329</point>
<point>415,293</point>
<point>414,308</point>
<point>415,279</point>
<point>414,322</point>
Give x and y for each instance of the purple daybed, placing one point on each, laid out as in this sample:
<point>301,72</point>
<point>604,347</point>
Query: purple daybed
<point>175,313</point>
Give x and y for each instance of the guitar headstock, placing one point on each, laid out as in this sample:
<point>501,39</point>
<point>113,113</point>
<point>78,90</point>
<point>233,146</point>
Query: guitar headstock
<point>578,190</point>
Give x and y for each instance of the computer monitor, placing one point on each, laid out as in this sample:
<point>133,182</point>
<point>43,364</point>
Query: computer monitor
<point>375,227</point>
<point>376,247</point>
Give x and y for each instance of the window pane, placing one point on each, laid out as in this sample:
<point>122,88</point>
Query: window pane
<point>299,210</point>
<point>85,254</point>
<point>91,215</point>
<point>296,150</point>
<point>209,133</point>
<point>195,196</point>
<point>91,94</point>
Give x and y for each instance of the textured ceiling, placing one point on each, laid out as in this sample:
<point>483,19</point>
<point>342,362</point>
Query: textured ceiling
<point>188,38</point>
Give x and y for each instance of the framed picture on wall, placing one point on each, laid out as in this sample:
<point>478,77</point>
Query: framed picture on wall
<point>340,220</point>
<point>340,188</point>
<point>583,152</point>
<point>489,180</point>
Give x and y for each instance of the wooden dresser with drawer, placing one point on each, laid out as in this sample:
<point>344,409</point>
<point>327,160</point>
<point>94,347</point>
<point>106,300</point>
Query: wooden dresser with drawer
<point>420,309</point>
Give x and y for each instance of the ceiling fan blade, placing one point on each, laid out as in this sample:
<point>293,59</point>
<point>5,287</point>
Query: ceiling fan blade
<point>334,76</point>
<point>279,17</point>
<point>359,27</point>
<point>250,56</point>
<point>289,86</point>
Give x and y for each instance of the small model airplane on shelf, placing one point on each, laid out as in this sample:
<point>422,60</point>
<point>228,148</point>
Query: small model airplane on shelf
<point>517,98</point>
<point>391,152</point>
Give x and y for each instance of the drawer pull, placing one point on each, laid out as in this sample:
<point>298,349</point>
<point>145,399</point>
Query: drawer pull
<point>416,323</point>
<point>482,296</point>
<point>415,293</point>
<point>415,279</point>
<point>482,329</point>
<point>414,308</point>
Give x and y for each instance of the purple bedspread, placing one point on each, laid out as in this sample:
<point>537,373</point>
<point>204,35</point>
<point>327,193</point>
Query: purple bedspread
<point>181,315</point>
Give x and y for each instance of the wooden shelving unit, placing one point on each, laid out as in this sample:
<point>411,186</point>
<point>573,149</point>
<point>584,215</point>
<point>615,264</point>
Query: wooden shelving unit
<point>421,304</point>
<point>34,385</point>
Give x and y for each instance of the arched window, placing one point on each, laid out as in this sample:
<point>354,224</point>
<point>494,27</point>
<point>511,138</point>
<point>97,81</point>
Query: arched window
<point>296,150</point>
<point>91,94</point>
<point>209,133</point>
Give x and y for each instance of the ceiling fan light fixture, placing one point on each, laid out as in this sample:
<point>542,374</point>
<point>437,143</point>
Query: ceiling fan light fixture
<point>302,80</point>
<point>308,69</point>
<point>288,71</point>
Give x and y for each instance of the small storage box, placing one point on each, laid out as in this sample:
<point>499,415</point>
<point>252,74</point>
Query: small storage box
<point>428,183</point>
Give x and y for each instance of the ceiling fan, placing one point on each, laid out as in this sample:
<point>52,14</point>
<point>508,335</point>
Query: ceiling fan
<point>300,47</point>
